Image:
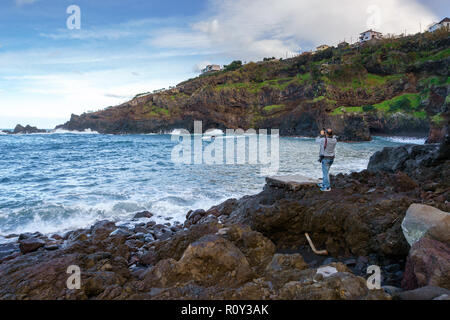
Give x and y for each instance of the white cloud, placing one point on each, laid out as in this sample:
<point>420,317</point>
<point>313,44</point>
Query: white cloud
<point>126,30</point>
<point>55,82</point>
<point>57,96</point>
<point>23,2</point>
<point>255,29</point>
<point>84,34</point>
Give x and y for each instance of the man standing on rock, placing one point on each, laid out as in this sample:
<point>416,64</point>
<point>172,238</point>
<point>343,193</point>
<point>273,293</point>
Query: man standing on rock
<point>327,147</point>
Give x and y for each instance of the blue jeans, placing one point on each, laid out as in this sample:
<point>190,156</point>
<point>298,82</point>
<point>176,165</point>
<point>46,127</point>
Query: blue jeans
<point>326,165</point>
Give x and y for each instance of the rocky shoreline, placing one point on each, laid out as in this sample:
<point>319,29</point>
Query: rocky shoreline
<point>255,247</point>
<point>19,129</point>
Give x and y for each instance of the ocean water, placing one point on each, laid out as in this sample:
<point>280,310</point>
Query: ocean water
<point>63,181</point>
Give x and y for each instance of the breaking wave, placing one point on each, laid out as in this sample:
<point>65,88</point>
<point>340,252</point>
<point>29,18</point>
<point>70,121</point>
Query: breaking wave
<point>405,140</point>
<point>63,131</point>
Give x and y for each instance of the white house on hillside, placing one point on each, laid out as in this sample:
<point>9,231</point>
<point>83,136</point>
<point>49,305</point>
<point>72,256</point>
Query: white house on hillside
<point>211,68</point>
<point>370,35</point>
<point>322,47</point>
<point>445,23</point>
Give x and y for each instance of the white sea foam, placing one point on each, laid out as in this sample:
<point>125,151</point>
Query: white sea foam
<point>80,216</point>
<point>83,215</point>
<point>62,131</point>
<point>405,140</point>
<point>177,132</point>
<point>213,132</point>
<point>4,240</point>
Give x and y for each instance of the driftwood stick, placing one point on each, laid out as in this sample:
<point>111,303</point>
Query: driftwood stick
<point>311,244</point>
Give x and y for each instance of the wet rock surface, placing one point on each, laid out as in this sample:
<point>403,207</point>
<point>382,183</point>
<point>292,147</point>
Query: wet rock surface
<point>428,264</point>
<point>19,129</point>
<point>30,245</point>
<point>254,247</point>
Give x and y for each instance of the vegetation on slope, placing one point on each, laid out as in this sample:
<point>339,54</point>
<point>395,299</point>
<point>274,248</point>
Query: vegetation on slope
<point>406,76</point>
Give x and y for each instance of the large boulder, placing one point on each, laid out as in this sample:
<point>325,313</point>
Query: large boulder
<point>102,229</point>
<point>285,268</point>
<point>428,263</point>
<point>257,249</point>
<point>338,286</point>
<point>30,245</point>
<point>424,293</point>
<point>341,224</point>
<point>35,276</point>
<point>213,260</point>
<point>392,159</point>
<point>143,214</point>
<point>175,246</point>
<point>210,261</point>
<point>421,218</point>
<point>441,231</point>
<point>283,262</point>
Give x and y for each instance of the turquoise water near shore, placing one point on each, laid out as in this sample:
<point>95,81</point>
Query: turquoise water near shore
<point>63,181</point>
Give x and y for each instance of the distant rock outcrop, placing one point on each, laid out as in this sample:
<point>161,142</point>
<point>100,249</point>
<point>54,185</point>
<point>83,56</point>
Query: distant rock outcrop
<point>19,129</point>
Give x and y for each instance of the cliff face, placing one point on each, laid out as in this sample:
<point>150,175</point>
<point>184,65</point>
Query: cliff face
<point>393,87</point>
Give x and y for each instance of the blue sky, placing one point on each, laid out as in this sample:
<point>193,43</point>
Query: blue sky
<point>48,72</point>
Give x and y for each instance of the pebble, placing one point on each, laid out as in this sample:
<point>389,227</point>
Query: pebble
<point>51,247</point>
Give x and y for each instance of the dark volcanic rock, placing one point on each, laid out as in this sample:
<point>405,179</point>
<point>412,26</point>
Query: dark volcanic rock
<point>428,264</point>
<point>340,286</point>
<point>9,251</point>
<point>341,222</point>
<point>143,214</point>
<point>257,249</point>
<point>351,127</point>
<point>31,244</point>
<point>102,229</point>
<point>285,268</point>
<point>424,293</point>
<point>401,158</point>
<point>27,130</point>
<point>209,261</point>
